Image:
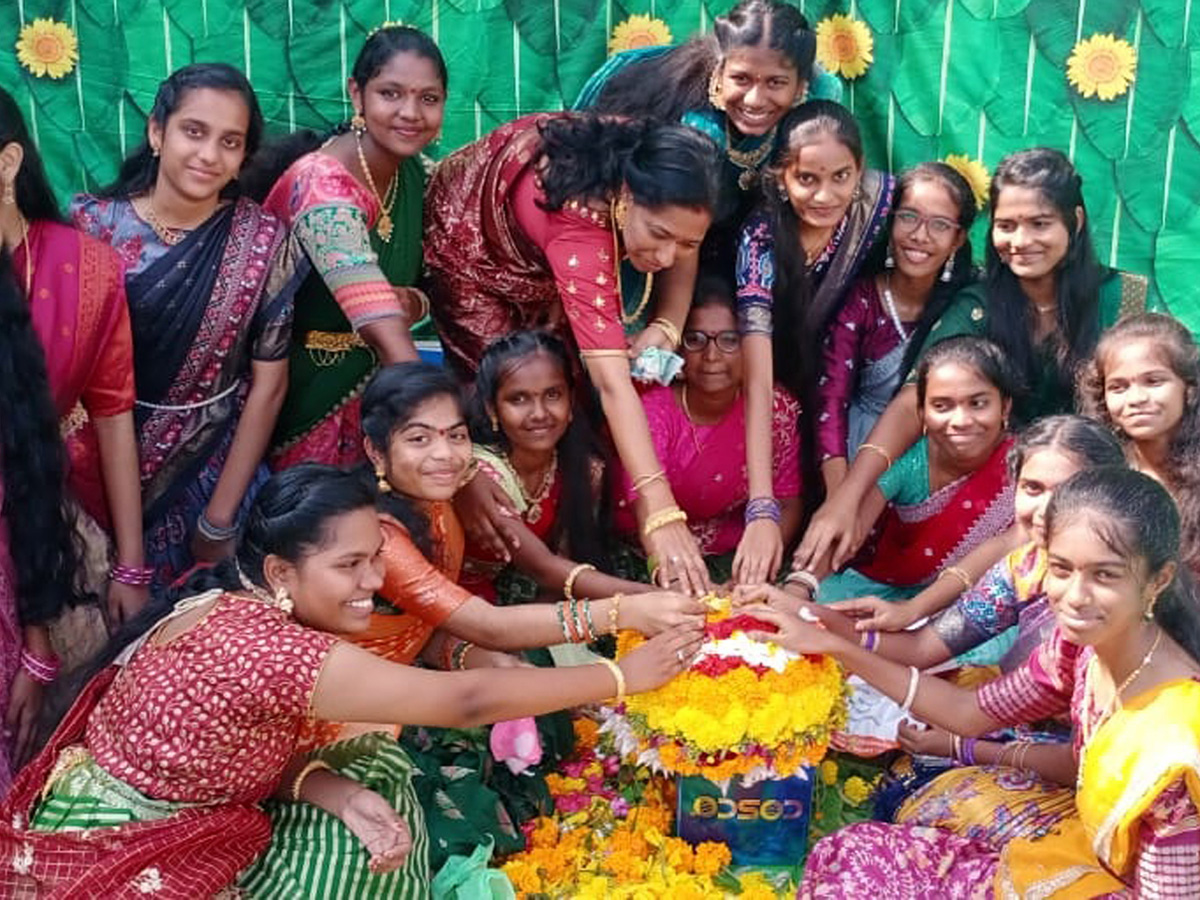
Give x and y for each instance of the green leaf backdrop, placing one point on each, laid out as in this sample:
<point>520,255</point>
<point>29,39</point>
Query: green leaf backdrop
<point>975,77</point>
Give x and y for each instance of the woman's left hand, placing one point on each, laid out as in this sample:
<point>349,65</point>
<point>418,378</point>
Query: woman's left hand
<point>20,719</point>
<point>759,553</point>
<point>383,833</point>
<point>680,564</point>
<point>924,740</point>
<point>650,336</point>
<point>660,611</point>
<point>877,614</point>
<point>801,633</point>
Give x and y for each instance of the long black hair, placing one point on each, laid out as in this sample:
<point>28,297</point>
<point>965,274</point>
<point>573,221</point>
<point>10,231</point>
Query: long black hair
<point>1135,517</point>
<point>678,79</point>
<point>390,400</point>
<point>1177,349</point>
<point>289,518</point>
<point>796,321</point>
<point>963,271</point>
<point>377,50</point>
<point>582,519</point>
<point>34,196</point>
<point>139,171</point>
<point>42,539</point>
<point>590,156</point>
<point>1078,277</point>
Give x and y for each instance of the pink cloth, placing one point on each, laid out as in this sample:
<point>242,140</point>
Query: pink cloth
<point>706,466</point>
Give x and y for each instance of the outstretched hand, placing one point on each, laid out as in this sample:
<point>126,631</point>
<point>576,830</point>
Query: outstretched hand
<point>877,614</point>
<point>383,833</point>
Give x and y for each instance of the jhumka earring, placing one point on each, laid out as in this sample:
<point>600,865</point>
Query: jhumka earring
<point>620,211</point>
<point>495,425</point>
<point>284,600</point>
<point>889,261</point>
<point>358,124</point>
<point>948,269</point>
<point>714,90</point>
<point>385,486</point>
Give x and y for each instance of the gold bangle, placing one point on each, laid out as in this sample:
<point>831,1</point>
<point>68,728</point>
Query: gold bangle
<point>619,676</point>
<point>640,483</point>
<point>312,766</point>
<point>663,518</point>
<point>960,573</point>
<point>667,327</point>
<point>887,457</point>
<point>569,584</point>
<point>614,611</point>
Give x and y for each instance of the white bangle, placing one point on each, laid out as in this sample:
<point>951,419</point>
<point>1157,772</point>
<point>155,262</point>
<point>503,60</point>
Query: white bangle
<point>914,678</point>
<point>804,577</point>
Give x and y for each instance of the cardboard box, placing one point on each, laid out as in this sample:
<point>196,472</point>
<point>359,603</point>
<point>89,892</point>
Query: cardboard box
<point>764,825</point>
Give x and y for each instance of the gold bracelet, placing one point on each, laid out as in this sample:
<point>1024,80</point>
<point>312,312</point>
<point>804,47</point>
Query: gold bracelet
<point>640,483</point>
<point>312,766</point>
<point>961,574</point>
<point>887,457</point>
<point>569,584</point>
<point>618,675</point>
<point>613,612</point>
<point>667,327</point>
<point>663,518</point>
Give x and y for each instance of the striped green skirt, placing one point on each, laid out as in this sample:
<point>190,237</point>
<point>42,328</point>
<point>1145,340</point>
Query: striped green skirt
<point>312,854</point>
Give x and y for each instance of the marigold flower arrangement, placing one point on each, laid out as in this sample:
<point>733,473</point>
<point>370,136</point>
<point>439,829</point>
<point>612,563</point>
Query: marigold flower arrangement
<point>744,707</point>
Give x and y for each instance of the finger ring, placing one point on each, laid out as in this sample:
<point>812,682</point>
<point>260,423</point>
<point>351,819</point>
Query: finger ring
<point>674,559</point>
<point>679,656</point>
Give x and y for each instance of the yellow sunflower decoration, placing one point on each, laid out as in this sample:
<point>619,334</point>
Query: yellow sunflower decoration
<point>47,47</point>
<point>1102,66</point>
<point>975,173</point>
<point>639,31</point>
<point>844,46</point>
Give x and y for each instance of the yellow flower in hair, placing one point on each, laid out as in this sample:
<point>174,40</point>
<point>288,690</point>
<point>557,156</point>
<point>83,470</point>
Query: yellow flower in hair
<point>639,31</point>
<point>844,46</point>
<point>1102,66</point>
<point>975,173</point>
<point>47,47</point>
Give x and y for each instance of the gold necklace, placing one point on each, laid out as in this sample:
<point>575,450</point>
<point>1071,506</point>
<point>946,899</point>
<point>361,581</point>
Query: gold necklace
<point>533,501</point>
<point>384,225</point>
<point>649,285</point>
<point>28,258</point>
<point>168,234</point>
<point>748,160</point>
<point>1145,662</point>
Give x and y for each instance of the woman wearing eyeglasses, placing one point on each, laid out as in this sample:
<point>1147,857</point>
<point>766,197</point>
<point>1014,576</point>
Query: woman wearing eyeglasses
<point>699,430</point>
<point>872,342</point>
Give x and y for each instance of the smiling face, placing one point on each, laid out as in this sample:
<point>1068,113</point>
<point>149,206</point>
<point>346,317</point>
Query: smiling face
<point>758,87</point>
<point>964,414</point>
<point>202,146</point>
<point>1029,234</point>
<point>333,585</point>
<point>925,230</point>
<point>1143,395</point>
<point>428,454</point>
<point>1098,596</point>
<point>712,370</point>
<point>1043,471</point>
<point>533,403</point>
<point>403,104</point>
<point>655,238</point>
<point>820,180</point>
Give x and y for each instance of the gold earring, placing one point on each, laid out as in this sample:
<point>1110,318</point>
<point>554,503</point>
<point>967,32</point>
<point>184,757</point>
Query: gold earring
<point>385,486</point>
<point>495,425</point>
<point>358,124</point>
<point>620,211</point>
<point>10,195</point>
<point>1148,615</point>
<point>714,90</point>
<point>284,600</point>
<point>154,151</point>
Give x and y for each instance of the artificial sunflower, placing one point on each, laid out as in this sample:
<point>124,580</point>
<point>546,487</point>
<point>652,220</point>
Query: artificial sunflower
<point>975,173</point>
<point>47,47</point>
<point>1102,66</point>
<point>639,31</point>
<point>844,46</point>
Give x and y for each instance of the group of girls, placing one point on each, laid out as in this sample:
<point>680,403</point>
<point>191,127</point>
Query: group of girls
<point>230,306</point>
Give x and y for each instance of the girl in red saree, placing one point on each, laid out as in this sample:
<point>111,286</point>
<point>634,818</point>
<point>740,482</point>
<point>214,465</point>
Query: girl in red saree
<point>526,228</point>
<point>210,281</point>
<point>75,291</point>
<point>152,783</point>
<point>950,493</point>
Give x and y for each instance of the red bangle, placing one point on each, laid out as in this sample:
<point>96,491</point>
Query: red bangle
<point>42,669</point>
<point>132,575</point>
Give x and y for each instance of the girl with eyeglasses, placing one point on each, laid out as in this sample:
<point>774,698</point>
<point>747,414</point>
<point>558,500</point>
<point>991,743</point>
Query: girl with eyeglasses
<point>699,430</point>
<point>872,341</point>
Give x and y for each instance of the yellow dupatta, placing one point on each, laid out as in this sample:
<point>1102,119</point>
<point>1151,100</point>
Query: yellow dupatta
<point>1135,754</point>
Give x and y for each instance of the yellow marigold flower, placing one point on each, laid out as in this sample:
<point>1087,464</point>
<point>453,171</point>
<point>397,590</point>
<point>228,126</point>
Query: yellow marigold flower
<point>711,858</point>
<point>524,876</point>
<point>844,46</point>
<point>975,173</point>
<point>1102,66</point>
<point>829,772</point>
<point>47,47</point>
<point>856,790</point>
<point>639,31</point>
<point>586,732</point>
<point>756,887</point>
